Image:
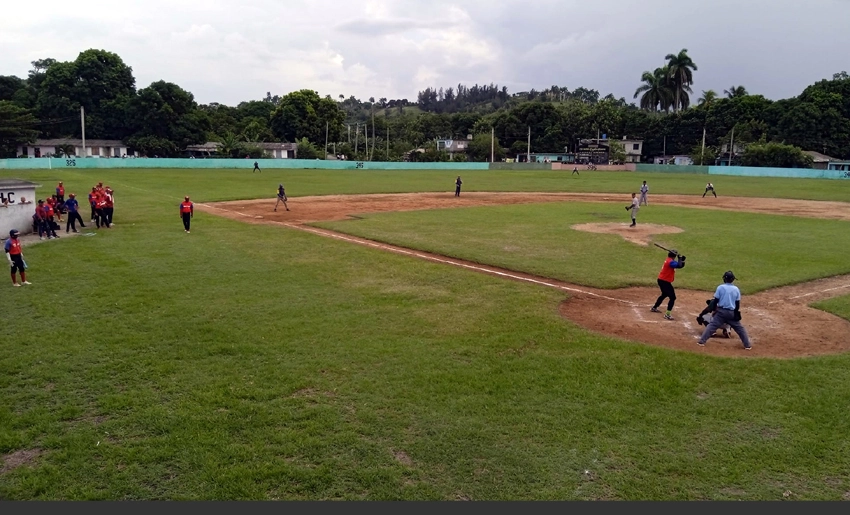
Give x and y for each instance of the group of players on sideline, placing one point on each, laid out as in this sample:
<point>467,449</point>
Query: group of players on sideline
<point>49,211</point>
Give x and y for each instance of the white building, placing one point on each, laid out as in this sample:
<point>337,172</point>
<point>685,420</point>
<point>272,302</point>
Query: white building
<point>274,150</point>
<point>17,205</point>
<point>673,160</point>
<point>633,148</point>
<point>74,147</point>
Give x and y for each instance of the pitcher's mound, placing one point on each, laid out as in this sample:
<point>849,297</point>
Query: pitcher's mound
<point>640,234</point>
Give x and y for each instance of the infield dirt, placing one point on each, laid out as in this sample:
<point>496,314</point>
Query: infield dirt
<point>779,321</point>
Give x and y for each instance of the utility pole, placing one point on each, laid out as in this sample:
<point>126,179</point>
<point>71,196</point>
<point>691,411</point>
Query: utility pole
<point>356,138</point>
<point>388,142</point>
<point>349,134</point>
<point>732,146</point>
<point>83,124</point>
<point>492,143</point>
<point>326,141</point>
<point>702,156</point>
<point>665,150</point>
<point>372,155</point>
<point>528,150</point>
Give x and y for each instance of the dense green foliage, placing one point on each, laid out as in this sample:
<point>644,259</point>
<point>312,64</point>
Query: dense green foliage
<point>664,117</point>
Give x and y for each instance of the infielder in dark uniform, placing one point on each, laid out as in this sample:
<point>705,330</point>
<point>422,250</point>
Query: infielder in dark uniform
<point>709,187</point>
<point>281,197</point>
<point>665,282</point>
<point>728,311</point>
<point>458,182</point>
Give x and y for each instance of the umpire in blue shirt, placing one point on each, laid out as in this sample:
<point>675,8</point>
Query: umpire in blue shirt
<point>728,311</point>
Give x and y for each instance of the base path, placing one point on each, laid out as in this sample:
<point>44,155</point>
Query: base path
<point>779,321</point>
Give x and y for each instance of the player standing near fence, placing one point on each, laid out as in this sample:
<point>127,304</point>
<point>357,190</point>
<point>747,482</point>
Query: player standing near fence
<point>16,257</point>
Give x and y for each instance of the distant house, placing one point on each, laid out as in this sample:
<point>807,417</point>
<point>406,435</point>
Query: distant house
<point>57,147</point>
<point>841,166</point>
<point>279,150</point>
<point>821,161</point>
<point>634,149</point>
<point>673,160</point>
<point>454,146</point>
<point>274,150</point>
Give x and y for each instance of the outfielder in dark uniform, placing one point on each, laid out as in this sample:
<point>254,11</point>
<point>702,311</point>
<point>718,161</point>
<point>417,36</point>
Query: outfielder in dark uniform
<point>281,197</point>
<point>256,167</point>
<point>665,282</point>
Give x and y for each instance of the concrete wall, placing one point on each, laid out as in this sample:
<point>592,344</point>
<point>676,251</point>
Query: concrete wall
<point>653,168</point>
<point>520,166</point>
<point>628,167</point>
<point>16,215</point>
<point>247,164</point>
<point>802,173</point>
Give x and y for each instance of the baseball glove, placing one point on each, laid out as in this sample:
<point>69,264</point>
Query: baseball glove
<point>628,207</point>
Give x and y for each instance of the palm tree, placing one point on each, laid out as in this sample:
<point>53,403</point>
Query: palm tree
<point>707,98</point>
<point>681,68</point>
<point>735,92</point>
<point>656,90</point>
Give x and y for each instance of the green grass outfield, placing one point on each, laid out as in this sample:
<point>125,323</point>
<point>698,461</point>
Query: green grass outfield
<point>255,362</point>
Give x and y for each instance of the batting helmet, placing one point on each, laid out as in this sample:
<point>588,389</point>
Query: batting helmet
<point>14,233</point>
<point>728,277</point>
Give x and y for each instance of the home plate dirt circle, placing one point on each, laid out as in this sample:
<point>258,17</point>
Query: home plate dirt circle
<point>779,321</point>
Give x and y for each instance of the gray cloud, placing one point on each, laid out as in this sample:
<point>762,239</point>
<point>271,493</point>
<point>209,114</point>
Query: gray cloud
<point>394,48</point>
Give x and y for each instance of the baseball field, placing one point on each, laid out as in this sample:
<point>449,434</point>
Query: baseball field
<point>385,340</point>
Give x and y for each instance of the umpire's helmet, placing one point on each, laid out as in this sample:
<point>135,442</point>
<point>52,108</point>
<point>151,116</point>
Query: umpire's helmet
<point>728,277</point>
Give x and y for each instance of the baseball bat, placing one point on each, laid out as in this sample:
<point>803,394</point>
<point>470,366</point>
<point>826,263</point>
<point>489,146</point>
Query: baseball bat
<point>662,248</point>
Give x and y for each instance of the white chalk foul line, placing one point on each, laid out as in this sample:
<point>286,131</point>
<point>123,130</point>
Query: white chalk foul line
<point>819,292</point>
<point>810,294</point>
<point>398,250</point>
<point>232,211</point>
<point>640,317</point>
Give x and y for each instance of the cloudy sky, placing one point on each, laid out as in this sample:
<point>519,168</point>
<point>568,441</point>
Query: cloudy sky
<point>227,51</point>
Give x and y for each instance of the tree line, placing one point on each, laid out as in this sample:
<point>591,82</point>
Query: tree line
<point>163,119</point>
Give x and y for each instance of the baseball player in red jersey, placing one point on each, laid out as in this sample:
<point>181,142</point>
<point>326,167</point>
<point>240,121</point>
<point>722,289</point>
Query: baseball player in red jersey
<point>665,282</point>
<point>187,212</point>
<point>16,257</point>
<point>93,203</point>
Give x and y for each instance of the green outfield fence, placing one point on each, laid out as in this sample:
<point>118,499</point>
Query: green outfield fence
<point>47,163</point>
<point>746,171</point>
